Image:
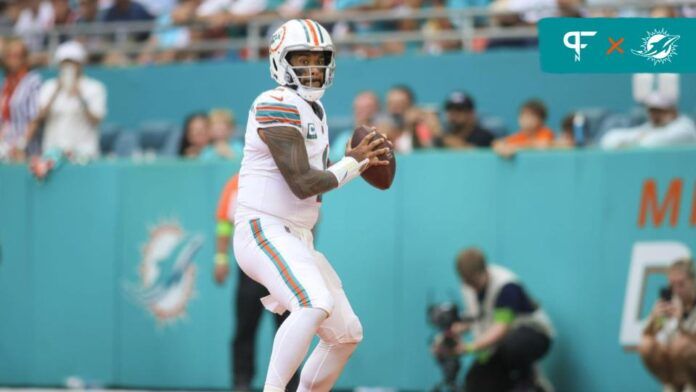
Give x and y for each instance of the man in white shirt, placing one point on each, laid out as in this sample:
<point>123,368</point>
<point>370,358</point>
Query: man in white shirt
<point>666,127</point>
<point>72,106</point>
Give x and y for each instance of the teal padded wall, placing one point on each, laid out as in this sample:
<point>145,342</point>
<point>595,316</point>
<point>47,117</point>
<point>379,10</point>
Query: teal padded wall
<point>565,221</point>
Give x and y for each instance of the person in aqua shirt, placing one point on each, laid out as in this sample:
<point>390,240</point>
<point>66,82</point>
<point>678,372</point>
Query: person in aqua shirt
<point>511,332</point>
<point>222,129</point>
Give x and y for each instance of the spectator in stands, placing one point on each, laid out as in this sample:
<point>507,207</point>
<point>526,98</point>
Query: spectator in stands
<point>128,11</point>
<point>170,36</point>
<point>18,101</point>
<point>63,16</point>
<point>405,25</point>
<point>566,138</point>
<point>62,13</point>
<point>34,21</point>
<point>533,133</point>
<point>231,10</point>
<point>158,7</point>
<point>8,13</point>
<point>511,332</point>
<point>222,129</point>
<point>196,135</point>
<point>436,26</point>
<point>668,345</point>
<point>664,11</point>
<point>666,127</point>
<point>87,12</point>
<point>413,128</point>
<point>366,108</point>
<point>71,107</point>
<point>217,15</point>
<point>462,129</point>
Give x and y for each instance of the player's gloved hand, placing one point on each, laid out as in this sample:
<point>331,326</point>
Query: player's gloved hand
<point>368,149</point>
<point>222,269</point>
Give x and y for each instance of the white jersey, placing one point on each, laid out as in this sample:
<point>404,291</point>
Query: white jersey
<point>262,188</point>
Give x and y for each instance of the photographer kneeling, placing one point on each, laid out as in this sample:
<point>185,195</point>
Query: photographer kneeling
<point>510,331</point>
<point>668,346</point>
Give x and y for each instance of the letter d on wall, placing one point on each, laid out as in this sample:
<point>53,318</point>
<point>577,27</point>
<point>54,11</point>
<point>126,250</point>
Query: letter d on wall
<point>645,256</point>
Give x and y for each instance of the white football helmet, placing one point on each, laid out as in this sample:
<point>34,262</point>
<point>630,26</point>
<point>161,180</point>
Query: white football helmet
<point>301,35</point>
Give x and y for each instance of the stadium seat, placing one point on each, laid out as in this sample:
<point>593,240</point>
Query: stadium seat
<point>638,115</point>
<point>494,124</point>
<point>171,145</point>
<point>612,121</point>
<point>126,144</point>
<point>160,137</point>
<point>593,120</point>
<point>107,138</point>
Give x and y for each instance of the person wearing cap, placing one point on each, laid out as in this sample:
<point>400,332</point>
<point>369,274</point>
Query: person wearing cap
<point>71,106</point>
<point>462,129</point>
<point>665,126</point>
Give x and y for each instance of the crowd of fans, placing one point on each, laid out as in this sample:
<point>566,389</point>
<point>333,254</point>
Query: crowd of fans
<point>174,27</point>
<point>458,125</point>
<point>47,122</point>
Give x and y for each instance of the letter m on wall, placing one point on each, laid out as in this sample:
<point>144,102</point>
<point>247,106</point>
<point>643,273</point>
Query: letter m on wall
<point>658,209</point>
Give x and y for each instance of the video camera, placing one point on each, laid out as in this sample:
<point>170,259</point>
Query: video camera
<point>443,316</point>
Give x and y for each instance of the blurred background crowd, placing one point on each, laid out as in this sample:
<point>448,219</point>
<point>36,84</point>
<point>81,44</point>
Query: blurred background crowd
<point>62,117</point>
<point>129,32</point>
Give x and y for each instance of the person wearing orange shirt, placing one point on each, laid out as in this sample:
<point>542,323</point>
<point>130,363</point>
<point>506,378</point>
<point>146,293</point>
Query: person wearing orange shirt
<point>533,133</point>
<point>248,307</point>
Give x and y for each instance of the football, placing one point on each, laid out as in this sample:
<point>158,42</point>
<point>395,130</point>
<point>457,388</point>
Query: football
<point>380,177</point>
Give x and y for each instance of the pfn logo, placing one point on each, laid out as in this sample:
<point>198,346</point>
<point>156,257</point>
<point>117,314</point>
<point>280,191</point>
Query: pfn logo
<point>573,40</point>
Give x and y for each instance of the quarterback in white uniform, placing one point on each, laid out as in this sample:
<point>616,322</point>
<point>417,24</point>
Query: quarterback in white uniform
<point>285,171</point>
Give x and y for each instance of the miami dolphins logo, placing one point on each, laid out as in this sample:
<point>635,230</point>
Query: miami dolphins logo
<point>658,46</point>
<point>277,39</point>
<point>167,272</point>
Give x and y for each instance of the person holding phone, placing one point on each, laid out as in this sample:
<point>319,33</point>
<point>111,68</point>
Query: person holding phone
<point>668,345</point>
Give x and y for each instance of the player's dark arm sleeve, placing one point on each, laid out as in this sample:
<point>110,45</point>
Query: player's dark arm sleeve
<point>290,155</point>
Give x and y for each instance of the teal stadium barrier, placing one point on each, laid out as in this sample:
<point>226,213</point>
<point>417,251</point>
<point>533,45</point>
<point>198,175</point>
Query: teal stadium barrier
<point>71,250</point>
<point>567,222</point>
